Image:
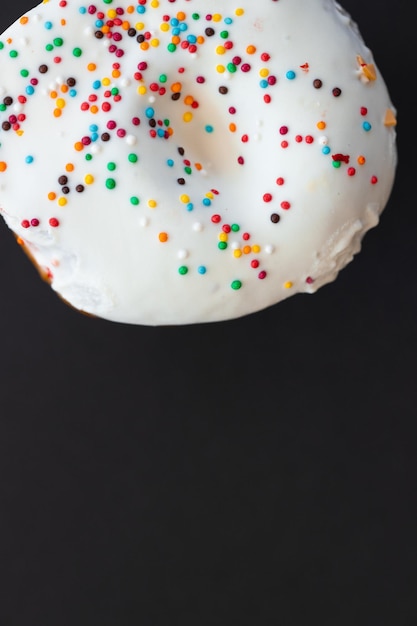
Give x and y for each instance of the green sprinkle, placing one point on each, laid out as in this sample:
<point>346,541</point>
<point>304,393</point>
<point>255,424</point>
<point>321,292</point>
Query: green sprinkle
<point>222,245</point>
<point>224,34</point>
<point>172,47</point>
<point>1,45</point>
<point>111,166</point>
<point>14,54</point>
<point>24,73</point>
<point>107,1</point>
<point>235,228</point>
<point>133,157</point>
<point>336,164</point>
<point>58,42</point>
<point>236,284</point>
<point>167,123</point>
<point>134,200</point>
<point>110,183</point>
<point>88,157</point>
<point>163,78</point>
<point>188,170</point>
<point>115,91</point>
<point>183,270</point>
<point>77,52</point>
<point>49,47</point>
<point>231,67</point>
<point>195,16</point>
<point>3,107</point>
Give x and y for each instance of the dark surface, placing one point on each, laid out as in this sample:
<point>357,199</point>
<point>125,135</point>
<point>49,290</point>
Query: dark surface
<point>254,472</point>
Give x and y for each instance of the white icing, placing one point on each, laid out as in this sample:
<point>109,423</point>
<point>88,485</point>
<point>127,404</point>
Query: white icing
<point>108,256</point>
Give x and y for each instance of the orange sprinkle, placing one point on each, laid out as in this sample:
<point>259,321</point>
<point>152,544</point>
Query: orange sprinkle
<point>130,9</point>
<point>3,166</point>
<point>251,49</point>
<point>232,128</point>
<point>163,237</point>
<point>69,167</point>
<point>53,94</point>
<point>94,109</point>
<point>390,118</point>
<point>321,125</point>
<point>144,45</point>
<point>20,241</point>
<point>24,19</point>
<point>63,22</point>
<point>126,25</point>
<point>200,39</point>
<point>176,87</point>
<point>51,195</point>
<point>116,74</point>
<point>64,88</point>
<point>79,146</point>
<point>57,112</point>
<point>247,249</point>
<point>198,167</point>
<point>361,160</point>
<point>91,67</point>
<point>188,100</point>
<point>176,40</point>
<point>181,16</point>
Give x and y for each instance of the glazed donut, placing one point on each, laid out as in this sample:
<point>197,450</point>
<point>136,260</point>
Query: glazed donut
<point>172,162</point>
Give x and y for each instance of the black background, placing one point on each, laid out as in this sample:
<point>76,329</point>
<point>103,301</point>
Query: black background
<point>257,471</point>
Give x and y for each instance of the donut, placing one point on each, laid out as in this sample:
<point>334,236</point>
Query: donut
<point>168,162</point>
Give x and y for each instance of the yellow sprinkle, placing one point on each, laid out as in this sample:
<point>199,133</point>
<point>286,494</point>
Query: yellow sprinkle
<point>220,50</point>
<point>111,13</point>
<point>221,69</point>
<point>210,195</point>
<point>390,118</point>
<point>106,82</point>
<point>187,117</point>
<point>62,201</point>
<point>216,17</point>
<point>256,249</point>
<point>154,4</point>
<point>264,72</point>
<point>60,103</point>
<point>239,12</point>
<point>184,198</point>
<point>154,43</point>
<point>142,90</point>
<point>139,26</point>
<point>89,179</point>
<point>288,285</point>
<point>223,237</point>
<point>152,204</point>
<point>164,27</point>
<point>237,253</point>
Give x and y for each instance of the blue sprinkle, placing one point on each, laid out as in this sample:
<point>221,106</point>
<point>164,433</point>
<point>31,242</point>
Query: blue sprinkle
<point>150,112</point>
<point>94,137</point>
<point>97,84</point>
<point>99,23</point>
<point>161,132</point>
<point>367,126</point>
<point>29,159</point>
<point>174,21</point>
<point>170,163</point>
<point>83,10</point>
<point>72,93</point>
<point>191,38</point>
<point>183,27</point>
<point>175,32</point>
<point>140,9</point>
<point>290,75</point>
<point>207,202</point>
<point>326,150</point>
<point>48,25</point>
<point>30,90</point>
<point>201,269</point>
<point>209,129</point>
<point>263,83</point>
<point>190,206</point>
<point>94,128</point>
<point>228,20</point>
